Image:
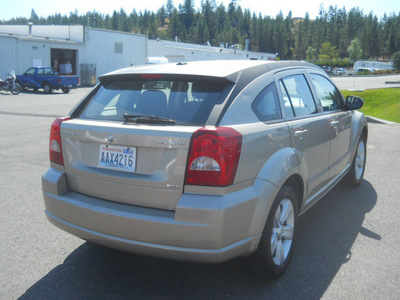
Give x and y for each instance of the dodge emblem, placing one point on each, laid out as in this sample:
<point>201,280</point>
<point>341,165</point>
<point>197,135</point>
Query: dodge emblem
<point>111,138</point>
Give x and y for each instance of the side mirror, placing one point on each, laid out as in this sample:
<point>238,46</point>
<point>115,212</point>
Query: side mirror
<point>354,102</point>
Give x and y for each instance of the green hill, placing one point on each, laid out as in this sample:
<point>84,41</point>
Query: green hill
<point>380,103</point>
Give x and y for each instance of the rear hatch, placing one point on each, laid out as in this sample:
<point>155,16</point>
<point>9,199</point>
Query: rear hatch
<point>128,142</point>
<point>142,165</point>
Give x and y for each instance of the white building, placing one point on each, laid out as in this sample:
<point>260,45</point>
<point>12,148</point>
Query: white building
<point>181,52</point>
<point>90,52</point>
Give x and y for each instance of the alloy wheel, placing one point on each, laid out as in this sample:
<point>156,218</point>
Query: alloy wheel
<point>282,231</point>
<point>360,160</point>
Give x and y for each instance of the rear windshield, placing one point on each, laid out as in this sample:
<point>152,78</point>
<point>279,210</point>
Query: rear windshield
<point>185,102</point>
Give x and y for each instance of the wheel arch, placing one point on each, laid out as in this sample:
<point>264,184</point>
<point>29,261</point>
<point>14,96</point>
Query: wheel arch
<point>283,168</point>
<point>296,182</point>
<point>280,170</point>
<point>360,128</point>
<point>364,132</point>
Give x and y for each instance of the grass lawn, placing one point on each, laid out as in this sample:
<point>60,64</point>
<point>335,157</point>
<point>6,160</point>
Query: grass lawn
<point>380,103</point>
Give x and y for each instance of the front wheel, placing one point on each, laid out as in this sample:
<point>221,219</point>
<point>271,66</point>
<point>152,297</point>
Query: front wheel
<point>278,238</point>
<point>356,173</point>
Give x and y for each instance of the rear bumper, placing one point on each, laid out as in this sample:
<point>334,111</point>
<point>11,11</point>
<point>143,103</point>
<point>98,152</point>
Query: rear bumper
<point>203,228</point>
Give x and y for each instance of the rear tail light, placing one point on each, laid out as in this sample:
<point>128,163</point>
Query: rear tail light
<point>213,157</point>
<point>56,155</point>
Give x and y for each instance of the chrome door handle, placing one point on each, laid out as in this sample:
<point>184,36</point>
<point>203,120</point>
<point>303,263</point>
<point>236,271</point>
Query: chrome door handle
<point>335,123</point>
<point>300,133</point>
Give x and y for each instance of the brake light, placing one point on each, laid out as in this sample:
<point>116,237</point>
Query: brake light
<point>56,155</point>
<point>213,156</point>
<point>150,76</point>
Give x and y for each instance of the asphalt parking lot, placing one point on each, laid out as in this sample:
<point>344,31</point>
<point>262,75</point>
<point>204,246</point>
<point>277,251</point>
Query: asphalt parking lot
<point>347,248</point>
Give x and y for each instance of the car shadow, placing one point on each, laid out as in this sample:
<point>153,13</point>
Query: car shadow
<point>325,238</point>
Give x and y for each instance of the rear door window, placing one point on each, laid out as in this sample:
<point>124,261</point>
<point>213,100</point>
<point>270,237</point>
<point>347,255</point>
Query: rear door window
<point>186,102</point>
<point>286,101</point>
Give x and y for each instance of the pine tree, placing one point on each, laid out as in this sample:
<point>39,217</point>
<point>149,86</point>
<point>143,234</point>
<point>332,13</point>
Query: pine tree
<point>34,17</point>
<point>377,38</point>
<point>170,8</point>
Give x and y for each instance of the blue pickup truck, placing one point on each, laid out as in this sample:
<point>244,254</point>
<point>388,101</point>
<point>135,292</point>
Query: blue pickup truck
<point>47,79</point>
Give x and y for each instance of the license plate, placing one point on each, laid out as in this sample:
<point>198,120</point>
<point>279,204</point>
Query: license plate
<point>118,157</point>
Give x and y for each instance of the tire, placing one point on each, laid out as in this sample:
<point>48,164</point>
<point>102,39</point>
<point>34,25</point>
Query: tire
<point>65,90</point>
<point>16,89</point>
<point>47,88</point>
<point>356,173</point>
<point>278,238</point>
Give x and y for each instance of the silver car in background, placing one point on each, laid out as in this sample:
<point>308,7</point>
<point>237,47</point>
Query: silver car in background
<point>203,161</point>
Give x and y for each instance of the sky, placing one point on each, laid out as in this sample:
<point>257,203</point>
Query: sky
<point>44,8</point>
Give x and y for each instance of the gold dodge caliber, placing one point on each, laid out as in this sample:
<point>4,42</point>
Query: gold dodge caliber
<point>203,161</point>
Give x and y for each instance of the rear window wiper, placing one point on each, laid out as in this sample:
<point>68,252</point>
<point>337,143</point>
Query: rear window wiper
<point>147,119</point>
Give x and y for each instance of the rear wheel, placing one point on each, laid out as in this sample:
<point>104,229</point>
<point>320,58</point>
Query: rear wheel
<point>47,88</point>
<point>278,238</point>
<point>65,90</point>
<point>17,88</point>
